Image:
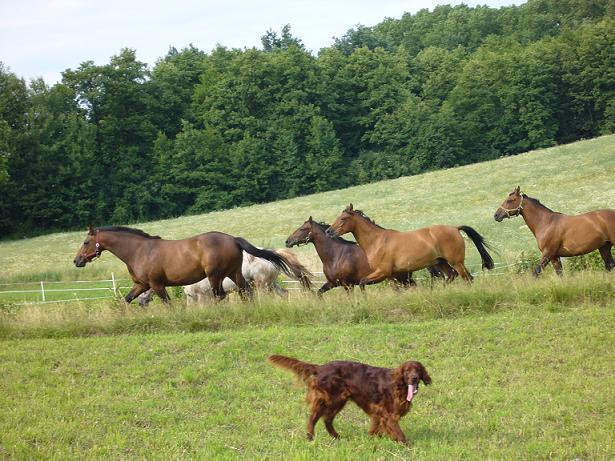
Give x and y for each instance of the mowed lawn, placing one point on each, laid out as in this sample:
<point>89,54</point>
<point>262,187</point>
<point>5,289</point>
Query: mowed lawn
<point>536,383</point>
<point>572,179</point>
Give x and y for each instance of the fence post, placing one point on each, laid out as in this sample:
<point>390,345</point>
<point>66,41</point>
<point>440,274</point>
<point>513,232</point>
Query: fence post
<point>113,282</point>
<point>42,290</point>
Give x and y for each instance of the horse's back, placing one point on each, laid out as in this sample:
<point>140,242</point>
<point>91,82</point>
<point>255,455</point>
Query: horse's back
<point>573,235</point>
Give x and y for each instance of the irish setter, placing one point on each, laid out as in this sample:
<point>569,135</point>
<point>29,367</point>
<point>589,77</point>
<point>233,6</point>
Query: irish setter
<point>385,394</point>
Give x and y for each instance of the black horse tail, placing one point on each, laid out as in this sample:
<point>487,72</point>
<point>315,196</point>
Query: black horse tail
<point>481,246</point>
<point>271,256</point>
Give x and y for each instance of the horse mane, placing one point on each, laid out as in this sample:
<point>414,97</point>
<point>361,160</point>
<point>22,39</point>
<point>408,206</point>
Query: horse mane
<point>363,215</point>
<point>537,202</point>
<point>324,226</point>
<point>129,230</point>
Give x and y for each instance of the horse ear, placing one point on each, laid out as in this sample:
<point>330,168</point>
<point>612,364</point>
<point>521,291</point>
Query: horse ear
<point>518,189</point>
<point>90,229</point>
<point>310,220</point>
<point>350,207</point>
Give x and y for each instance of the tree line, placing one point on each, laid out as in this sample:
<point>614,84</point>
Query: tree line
<point>120,142</point>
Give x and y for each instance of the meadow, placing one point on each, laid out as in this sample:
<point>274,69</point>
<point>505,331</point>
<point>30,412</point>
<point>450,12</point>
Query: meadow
<point>571,179</point>
<point>521,368</point>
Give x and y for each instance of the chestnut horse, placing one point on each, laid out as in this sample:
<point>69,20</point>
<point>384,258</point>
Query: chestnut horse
<point>344,262</point>
<point>156,263</point>
<point>560,235</point>
<point>389,251</point>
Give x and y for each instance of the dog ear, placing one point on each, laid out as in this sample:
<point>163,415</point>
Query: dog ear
<point>424,375</point>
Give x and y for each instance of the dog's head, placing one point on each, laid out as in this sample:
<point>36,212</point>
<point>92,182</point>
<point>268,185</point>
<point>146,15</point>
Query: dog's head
<point>410,373</point>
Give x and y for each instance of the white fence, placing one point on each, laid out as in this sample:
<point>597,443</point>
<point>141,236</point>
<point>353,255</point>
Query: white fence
<point>46,290</point>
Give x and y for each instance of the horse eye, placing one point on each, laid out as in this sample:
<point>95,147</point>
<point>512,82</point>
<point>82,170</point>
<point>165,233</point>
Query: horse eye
<point>86,242</point>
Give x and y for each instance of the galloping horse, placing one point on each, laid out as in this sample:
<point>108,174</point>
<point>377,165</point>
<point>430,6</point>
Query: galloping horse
<point>344,262</point>
<point>390,251</point>
<point>259,273</point>
<point>156,263</point>
<point>560,235</point>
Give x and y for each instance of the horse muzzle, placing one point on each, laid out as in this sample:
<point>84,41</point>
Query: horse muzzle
<point>290,243</point>
<point>80,261</point>
<point>499,217</point>
<point>330,232</point>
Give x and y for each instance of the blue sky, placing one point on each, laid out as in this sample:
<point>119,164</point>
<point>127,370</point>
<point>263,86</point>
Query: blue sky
<point>41,38</point>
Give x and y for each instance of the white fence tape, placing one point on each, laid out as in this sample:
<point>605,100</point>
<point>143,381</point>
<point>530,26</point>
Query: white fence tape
<point>116,284</point>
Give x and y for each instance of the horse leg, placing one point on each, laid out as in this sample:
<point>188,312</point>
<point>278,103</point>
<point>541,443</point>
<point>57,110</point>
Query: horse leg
<point>544,260</point>
<point>326,287</point>
<point>402,279</point>
<point>161,291</point>
<point>215,280</point>
<point>375,277</point>
<point>607,257</point>
<point>245,288</point>
<point>136,290</point>
<point>445,269</point>
<point>463,271</point>
<point>145,298</point>
<point>557,265</point>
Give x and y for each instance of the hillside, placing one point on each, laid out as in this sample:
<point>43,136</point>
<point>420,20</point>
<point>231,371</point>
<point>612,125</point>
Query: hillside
<point>571,179</point>
<point>521,368</point>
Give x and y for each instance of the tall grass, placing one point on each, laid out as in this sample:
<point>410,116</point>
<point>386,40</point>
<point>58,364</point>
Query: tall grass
<point>487,294</point>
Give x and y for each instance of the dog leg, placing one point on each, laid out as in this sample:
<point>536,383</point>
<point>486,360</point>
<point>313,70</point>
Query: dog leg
<point>330,414</point>
<point>313,419</point>
<point>393,429</point>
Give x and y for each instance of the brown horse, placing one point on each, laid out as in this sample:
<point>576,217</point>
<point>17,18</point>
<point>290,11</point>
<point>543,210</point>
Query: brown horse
<point>156,263</point>
<point>560,235</point>
<point>344,262</point>
<point>390,251</point>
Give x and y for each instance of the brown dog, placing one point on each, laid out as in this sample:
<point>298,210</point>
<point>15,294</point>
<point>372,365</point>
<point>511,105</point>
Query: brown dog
<point>385,394</point>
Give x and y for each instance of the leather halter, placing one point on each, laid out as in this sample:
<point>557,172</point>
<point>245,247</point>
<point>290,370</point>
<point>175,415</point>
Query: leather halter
<point>517,210</point>
<point>97,251</point>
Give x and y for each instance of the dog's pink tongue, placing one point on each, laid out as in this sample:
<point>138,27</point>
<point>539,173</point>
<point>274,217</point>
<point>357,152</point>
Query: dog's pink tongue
<point>410,393</point>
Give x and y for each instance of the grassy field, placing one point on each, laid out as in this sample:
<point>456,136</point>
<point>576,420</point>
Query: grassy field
<point>535,382</point>
<point>572,179</point>
<point>521,368</point>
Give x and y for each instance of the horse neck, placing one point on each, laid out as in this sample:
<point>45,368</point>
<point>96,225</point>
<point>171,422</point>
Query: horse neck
<point>322,243</point>
<point>121,244</point>
<point>534,215</point>
<point>365,231</point>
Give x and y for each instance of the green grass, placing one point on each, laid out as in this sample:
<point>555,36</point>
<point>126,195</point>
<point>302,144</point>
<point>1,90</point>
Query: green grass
<point>522,368</point>
<point>572,179</point>
<point>488,294</point>
<point>530,383</point>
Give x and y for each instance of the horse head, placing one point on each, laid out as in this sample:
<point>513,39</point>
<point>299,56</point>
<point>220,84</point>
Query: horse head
<point>89,249</point>
<point>302,235</point>
<point>510,207</point>
<point>343,224</point>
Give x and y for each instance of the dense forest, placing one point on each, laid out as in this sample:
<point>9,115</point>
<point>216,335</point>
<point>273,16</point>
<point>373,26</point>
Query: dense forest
<point>120,142</point>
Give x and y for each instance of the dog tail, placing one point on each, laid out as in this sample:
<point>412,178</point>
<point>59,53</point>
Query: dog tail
<point>303,370</point>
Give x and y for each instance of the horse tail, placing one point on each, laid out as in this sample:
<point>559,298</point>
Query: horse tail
<point>303,370</point>
<point>301,272</point>
<point>278,261</point>
<point>481,246</point>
